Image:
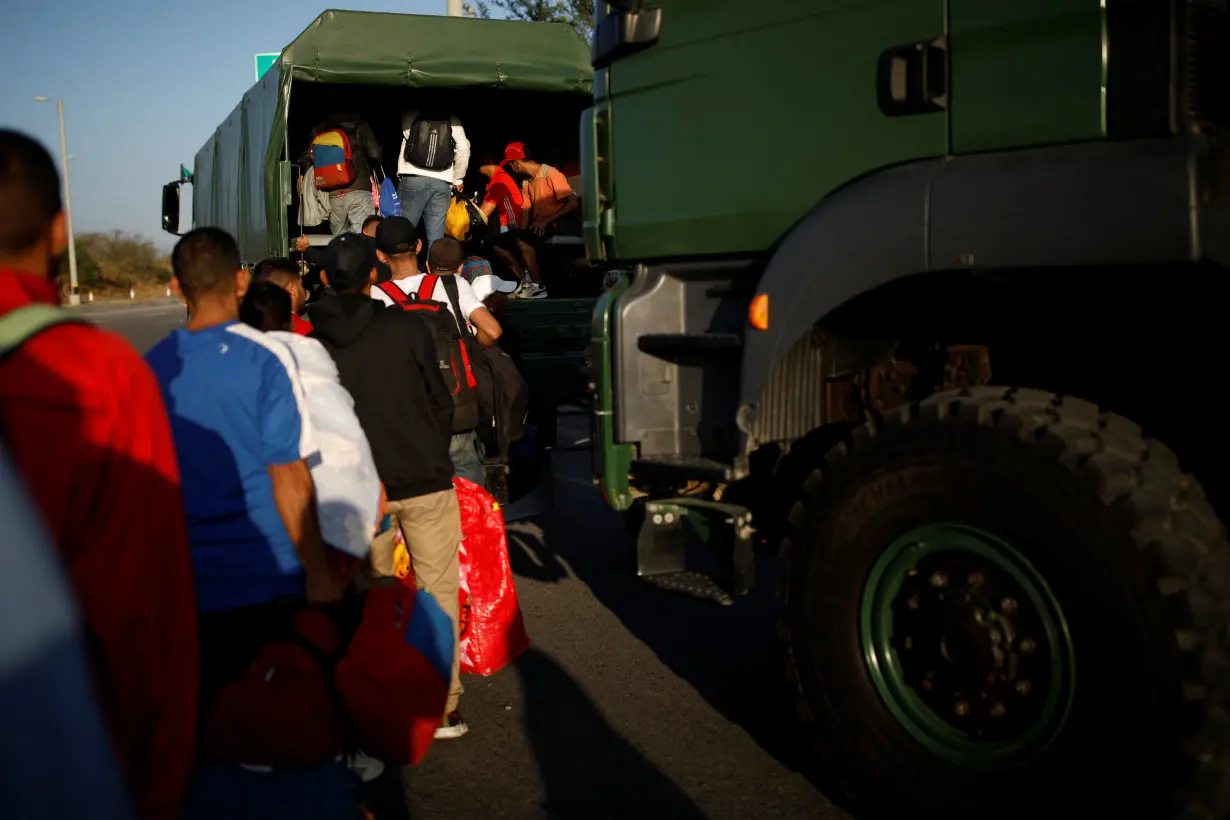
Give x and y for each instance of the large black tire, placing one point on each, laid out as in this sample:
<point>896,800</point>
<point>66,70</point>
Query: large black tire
<point>1133,553</point>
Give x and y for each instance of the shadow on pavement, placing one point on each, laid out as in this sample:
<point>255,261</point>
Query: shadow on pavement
<point>730,655</point>
<point>587,768</point>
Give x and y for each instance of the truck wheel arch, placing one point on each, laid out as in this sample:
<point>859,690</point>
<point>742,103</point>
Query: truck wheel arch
<point>1090,204</point>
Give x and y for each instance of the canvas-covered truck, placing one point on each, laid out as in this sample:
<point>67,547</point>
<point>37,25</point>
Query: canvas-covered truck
<point>505,80</point>
<point>924,294</point>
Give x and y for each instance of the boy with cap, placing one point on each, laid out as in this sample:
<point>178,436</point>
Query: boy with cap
<point>397,245</point>
<point>386,359</point>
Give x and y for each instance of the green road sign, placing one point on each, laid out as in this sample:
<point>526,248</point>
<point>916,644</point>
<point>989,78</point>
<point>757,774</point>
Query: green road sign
<point>264,62</point>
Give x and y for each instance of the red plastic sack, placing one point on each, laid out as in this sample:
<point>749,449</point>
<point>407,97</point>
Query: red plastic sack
<point>492,629</point>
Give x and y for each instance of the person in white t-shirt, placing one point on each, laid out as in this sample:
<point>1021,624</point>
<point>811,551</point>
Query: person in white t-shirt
<point>398,245</point>
<point>434,158</point>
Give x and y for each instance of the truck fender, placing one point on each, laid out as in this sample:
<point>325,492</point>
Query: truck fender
<point>1091,204</point>
<point>865,235</point>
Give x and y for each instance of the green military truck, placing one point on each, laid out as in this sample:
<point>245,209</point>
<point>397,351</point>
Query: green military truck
<point>919,289</point>
<point>505,80</point>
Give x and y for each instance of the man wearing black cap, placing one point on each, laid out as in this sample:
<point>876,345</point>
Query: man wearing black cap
<point>387,360</point>
<point>397,243</point>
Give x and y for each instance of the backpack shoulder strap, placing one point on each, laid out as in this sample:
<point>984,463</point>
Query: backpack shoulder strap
<point>450,287</point>
<point>393,292</point>
<point>427,287</point>
<point>20,325</point>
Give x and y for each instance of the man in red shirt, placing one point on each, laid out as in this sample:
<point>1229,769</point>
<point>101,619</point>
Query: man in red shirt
<point>84,421</point>
<point>285,274</point>
<point>505,197</point>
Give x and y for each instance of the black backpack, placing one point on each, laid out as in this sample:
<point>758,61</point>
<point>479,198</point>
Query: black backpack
<point>451,352</point>
<point>503,395</point>
<point>429,144</point>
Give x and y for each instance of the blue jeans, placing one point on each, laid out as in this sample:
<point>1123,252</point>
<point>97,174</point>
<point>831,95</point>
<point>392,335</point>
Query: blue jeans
<point>466,453</point>
<point>428,198</point>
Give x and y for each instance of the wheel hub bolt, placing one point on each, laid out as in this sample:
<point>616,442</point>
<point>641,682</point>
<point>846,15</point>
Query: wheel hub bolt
<point>1008,605</point>
<point>961,708</point>
<point>975,579</point>
<point>1023,687</point>
<point>1028,645</point>
<point>939,580</point>
<point>998,710</point>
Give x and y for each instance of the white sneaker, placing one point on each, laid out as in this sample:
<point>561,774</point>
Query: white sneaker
<point>531,290</point>
<point>367,768</point>
<point>452,727</point>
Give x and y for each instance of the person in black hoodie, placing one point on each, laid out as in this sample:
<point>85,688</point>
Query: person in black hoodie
<point>387,360</point>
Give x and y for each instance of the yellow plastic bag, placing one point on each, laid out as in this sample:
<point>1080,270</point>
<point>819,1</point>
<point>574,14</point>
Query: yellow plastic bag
<point>457,220</point>
<point>463,219</point>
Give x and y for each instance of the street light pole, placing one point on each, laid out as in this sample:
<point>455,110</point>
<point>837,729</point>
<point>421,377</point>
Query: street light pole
<point>74,298</point>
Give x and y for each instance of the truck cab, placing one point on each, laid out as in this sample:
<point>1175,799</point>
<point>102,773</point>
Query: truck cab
<point>919,292</point>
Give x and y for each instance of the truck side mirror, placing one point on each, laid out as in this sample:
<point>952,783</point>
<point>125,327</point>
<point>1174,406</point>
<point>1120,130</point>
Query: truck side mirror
<point>170,207</point>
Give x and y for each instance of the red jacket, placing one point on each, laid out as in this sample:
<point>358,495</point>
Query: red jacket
<point>84,420</point>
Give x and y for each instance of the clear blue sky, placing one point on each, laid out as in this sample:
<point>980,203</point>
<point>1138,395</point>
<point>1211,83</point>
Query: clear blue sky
<point>144,84</point>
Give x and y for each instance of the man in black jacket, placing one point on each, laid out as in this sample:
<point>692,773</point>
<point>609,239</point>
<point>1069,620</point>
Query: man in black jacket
<point>387,360</point>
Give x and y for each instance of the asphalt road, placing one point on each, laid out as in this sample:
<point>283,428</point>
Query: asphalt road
<point>631,702</point>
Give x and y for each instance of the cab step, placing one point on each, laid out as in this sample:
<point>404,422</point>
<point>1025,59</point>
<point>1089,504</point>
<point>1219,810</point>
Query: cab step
<point>695,584</point>
<point>668,345</point>
<point>664,528</point>
<point>681,469</point>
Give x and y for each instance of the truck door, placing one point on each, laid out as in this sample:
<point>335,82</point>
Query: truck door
<point>1025,73</point>
<point>721,123</point>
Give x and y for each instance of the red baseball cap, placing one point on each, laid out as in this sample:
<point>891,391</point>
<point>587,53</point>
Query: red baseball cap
<point>514,151</point>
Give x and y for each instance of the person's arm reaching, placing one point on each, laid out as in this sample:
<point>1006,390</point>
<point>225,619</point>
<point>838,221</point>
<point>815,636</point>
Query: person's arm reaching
<point>486,327</point>
<point>461,153</point>
<point>423,348</point>
<point>289,442</point>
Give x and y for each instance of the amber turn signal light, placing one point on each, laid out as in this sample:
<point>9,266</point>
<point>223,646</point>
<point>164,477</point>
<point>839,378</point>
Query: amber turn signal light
<point>758,312</point>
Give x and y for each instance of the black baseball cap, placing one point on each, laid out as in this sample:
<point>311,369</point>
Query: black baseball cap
<point>446,254</point>
<point>396,235</point>
<point>350,259</point>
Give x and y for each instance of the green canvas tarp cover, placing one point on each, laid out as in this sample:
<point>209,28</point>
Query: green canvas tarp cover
<point>238,182</point>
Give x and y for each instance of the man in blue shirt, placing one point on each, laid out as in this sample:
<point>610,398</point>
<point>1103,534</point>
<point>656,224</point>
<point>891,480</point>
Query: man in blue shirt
<point>244,440</point>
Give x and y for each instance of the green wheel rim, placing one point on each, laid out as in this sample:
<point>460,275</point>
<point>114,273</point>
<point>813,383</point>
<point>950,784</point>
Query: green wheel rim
<point>997,686</point>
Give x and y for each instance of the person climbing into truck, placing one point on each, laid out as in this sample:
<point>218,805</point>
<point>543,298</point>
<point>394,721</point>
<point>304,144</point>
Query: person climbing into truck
<point>434,158</point>
<point>343,152</point>
<point>550,203</point>
<point>509,243</point>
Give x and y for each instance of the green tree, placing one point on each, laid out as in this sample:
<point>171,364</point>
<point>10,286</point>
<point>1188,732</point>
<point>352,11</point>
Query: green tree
<point>116,259</point>
<point>577,13</point>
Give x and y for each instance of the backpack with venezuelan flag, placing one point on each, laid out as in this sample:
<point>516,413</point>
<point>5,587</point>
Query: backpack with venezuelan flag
<point>332,159</point>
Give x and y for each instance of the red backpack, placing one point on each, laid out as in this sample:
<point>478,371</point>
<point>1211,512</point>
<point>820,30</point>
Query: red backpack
<point>451,350</point>
<point>332,159</point>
